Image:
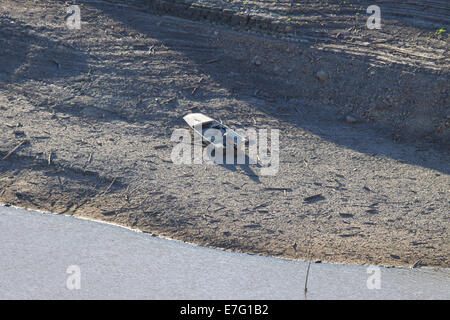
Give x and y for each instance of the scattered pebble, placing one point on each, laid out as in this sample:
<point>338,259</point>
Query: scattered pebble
<point>257,61</point>
<point>322,75</point>
<point>351,119</point>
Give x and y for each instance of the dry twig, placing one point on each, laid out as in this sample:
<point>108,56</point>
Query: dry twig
<point>15,148</point>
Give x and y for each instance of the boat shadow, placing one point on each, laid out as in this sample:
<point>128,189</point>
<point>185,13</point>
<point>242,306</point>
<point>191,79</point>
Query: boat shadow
<point>242,168</point>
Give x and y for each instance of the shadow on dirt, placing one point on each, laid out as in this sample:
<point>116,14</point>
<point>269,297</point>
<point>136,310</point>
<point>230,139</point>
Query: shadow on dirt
<point>244,167</point>
<point>25,56</point>
<point>279,97</point>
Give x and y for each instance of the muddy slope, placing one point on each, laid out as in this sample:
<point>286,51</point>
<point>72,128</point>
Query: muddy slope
<point>413,40</point>
<point>87,117</point>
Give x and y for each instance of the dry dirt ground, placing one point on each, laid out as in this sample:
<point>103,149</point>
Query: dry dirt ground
<point>87,115</point>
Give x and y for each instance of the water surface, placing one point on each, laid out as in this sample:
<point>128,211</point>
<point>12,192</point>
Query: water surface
<point>116,263</point>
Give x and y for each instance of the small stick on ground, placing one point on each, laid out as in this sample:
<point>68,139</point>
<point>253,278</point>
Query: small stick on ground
<point>169,100</point>
<point>306,279</point>
<point>277,189</point>
<point>15,148</point>
<point>89,159</point>
<point>55,62</point>
<point>211,61</point>
<point>309,264</point>
<point>109,187</point>
<point>49,160</point>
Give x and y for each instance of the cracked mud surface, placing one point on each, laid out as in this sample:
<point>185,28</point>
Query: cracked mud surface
<point>97,107</point>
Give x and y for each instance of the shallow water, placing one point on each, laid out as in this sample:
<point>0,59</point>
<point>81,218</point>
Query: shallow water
<point>116,263</point>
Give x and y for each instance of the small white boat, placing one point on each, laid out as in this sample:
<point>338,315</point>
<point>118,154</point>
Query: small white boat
<point>201,123</point>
